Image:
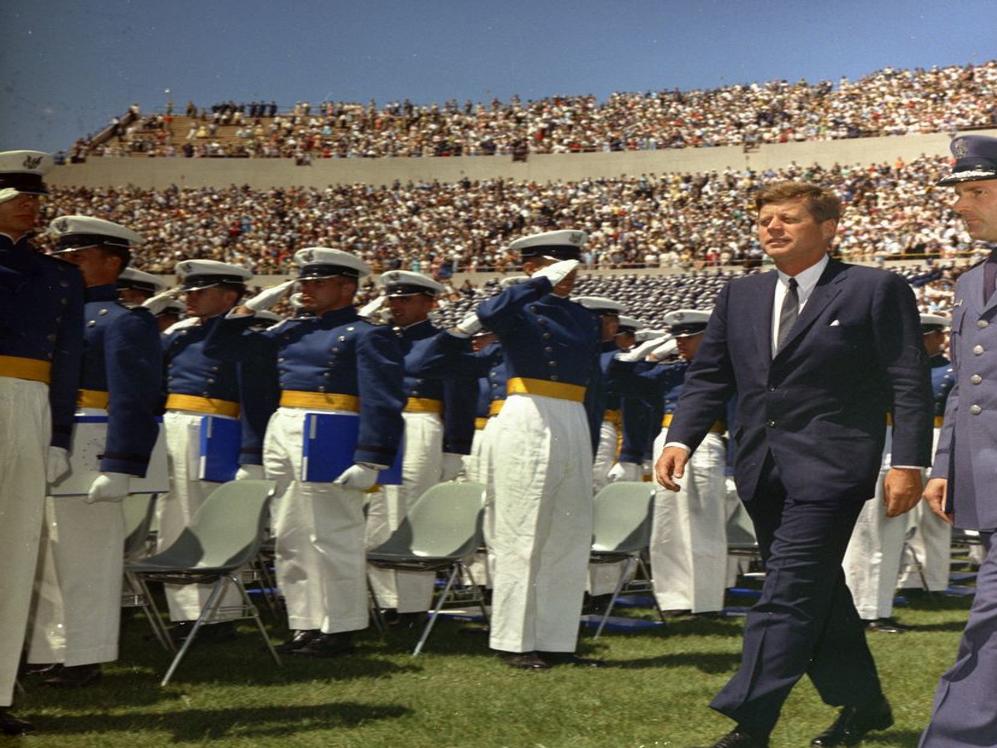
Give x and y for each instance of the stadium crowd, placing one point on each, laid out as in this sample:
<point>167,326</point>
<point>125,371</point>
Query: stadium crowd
<point>670,221</point>
<point>890,101</point>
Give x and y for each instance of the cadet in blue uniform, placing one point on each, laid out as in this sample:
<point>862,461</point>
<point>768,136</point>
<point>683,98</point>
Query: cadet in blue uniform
<point>541,453</point>
<point>932,540</point>
<point>77,609</point>
<point>200,385</point>
<point>41,344</point>
<point>332,362</point>
<point>136,286</point>
<point>439,427</point>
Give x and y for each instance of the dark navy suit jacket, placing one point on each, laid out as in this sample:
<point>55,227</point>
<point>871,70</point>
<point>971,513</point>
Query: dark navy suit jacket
<point>820,406</point>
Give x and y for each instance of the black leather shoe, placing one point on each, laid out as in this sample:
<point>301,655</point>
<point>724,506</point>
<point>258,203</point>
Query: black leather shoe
<point>525,660</point>
<point>327,645</point>
<point>569,658</point>
<point>75,676</point>
<point>886,626</point>
<point>43,669</point>
<point>854,722</point>
<point>11,725</point>
<point>740,739</point>
<point>297,641</point>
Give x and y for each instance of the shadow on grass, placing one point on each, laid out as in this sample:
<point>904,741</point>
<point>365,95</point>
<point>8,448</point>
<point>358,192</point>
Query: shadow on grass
<point>953,626</point>
<point>893,738</point>
<point>195,725</point>
<point>714,663</point>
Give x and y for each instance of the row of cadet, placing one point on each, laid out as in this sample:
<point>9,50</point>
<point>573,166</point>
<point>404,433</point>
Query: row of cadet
<point>556,385</point>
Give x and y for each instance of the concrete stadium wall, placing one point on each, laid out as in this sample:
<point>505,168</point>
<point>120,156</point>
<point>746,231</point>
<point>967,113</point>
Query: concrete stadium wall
<point>158,173</point>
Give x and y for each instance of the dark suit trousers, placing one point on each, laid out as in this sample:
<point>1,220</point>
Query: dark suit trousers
<point>805,620</point>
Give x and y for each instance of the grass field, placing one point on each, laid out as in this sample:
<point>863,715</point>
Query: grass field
<point>653,691</point>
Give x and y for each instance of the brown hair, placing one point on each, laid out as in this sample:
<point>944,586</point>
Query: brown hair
<point>822,204</point>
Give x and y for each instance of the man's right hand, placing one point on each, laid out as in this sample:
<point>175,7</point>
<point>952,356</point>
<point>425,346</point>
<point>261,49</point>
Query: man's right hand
<point>671,466</point>
<point>935,493</point>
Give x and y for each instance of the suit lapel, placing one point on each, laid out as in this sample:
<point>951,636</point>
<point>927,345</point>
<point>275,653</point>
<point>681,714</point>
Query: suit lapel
<point>826,289</point>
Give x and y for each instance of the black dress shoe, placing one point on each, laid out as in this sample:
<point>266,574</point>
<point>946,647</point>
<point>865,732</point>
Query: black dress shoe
<point>208,633</point>
<point>525,660</point>
<point>886,626</point>
<point>569,658</point>
<point>854,722</point>
<point>76,676</point>
<point>11,725</point>
<point>740,739</point>
<point>297,641</point>
<point>45,669</point>
<point>327,645</point>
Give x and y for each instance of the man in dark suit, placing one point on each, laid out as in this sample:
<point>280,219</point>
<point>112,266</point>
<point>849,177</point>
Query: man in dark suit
<point>961,485</point>
<point>819,354</point>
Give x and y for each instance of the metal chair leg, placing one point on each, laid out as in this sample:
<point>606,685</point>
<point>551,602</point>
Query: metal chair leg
<point>209,609</point>
<point>436,611</point>
<point>616,593</point>
<point>643,569</point>
<point>141,589</point>
<point>374,604</point>
<point>256,617</point>
<point>480,598</point>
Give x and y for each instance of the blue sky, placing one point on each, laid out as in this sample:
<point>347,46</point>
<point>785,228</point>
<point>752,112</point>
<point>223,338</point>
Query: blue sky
<point>67,67</point>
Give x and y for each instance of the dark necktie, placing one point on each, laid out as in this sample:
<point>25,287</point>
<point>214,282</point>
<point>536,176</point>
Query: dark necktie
<point>789,312</point>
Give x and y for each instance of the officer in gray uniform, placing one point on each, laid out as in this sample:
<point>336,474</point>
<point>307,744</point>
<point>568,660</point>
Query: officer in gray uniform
<point>961,488</point>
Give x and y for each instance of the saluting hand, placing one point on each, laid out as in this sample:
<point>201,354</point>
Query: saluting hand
<point>901,490</point>
<point>671,466</point>
<point>935,493</point>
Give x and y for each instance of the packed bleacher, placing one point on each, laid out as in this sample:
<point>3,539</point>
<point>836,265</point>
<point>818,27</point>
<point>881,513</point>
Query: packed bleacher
<point>670,221</point>
<point>887,102</point>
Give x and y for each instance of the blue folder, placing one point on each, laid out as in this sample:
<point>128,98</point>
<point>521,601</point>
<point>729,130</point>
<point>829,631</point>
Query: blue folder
<point>221,440</point>
<point>329,443</point>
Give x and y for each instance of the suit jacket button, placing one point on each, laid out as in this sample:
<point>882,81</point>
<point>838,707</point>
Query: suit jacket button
<point>975,410</point>
<point>770,423</point>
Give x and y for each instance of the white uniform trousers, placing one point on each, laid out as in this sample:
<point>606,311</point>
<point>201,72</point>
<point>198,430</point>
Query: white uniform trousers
<point>605,455</point>
<point>736,565</point>
<point>77,606</point>
<point>932,544</point>
<point>422,468</point>
<point>175,510</point>
<point>872,559</point>
<point>25,431</point>
<point>541,456</point>
<point>479,470</point>
<point>689,532</point>
<point>319,529</point>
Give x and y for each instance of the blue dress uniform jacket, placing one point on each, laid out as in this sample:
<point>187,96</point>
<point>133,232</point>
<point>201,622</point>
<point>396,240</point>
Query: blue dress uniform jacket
<point>966,454</point>
<point>457,393</point>
<point>193,370</point>
<point>942,382</point>
<point>337,353</point>
<point>122,356</point>
<point>653,390</point>
<point>44,326</point>
<point>547,337</point>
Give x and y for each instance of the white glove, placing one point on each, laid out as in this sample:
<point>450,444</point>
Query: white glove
<point>160,301</point>
<point>639,352</point>
<point>57,464</point>
<point>359,476</point>
<point>269,297</point>
<point>249,472</point>
<point>668,349</point>
<point>624,471</point>
<point>109,487</point>
<point>467,326</point>
<point>372,307</point>
<point>295,300</point>
<point>453,465</point>
<point>557,272</point>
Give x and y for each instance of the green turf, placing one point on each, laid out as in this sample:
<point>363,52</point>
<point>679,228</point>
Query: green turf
<point>653,691</point>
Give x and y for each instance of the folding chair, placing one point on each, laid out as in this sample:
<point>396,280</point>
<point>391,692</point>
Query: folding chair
<point>139,509</point>
<point>914,564</point>
<point>223,538</point>
<point>741,541</point>
<point>621,531</point>
<point>440,530</point>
